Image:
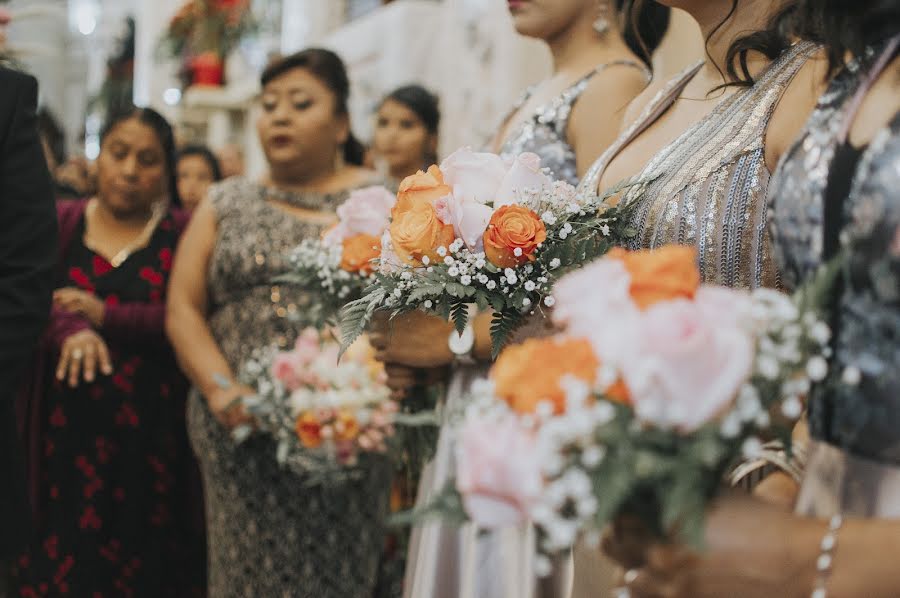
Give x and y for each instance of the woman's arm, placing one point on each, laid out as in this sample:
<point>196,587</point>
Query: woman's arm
<point>197,351</point>
<point>143,320</point>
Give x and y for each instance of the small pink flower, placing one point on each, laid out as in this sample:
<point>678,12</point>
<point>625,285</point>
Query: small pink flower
<point>474,176</point>
<point>366,211</point>
<point>524,174</point>
<point>687,364</point>
<point>469,219</point>
<point>498,472</point>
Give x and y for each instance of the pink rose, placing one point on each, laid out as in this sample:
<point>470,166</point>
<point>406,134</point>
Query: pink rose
<point>524,174</point>
<point>366,211</point>
<point>474,176</point>
<point>595,303</point>
<point>285,370</point>
<point>498,472</point>
<point>469,219</point>
<point>687,364</point>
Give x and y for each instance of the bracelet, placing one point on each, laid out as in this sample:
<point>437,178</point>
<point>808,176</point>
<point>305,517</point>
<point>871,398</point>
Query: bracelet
<point>826,557</point>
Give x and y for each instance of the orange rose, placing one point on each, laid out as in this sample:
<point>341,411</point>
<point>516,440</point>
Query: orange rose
<point>309,430</point>
<point>662,274</point>
<point>513,227</point>
<point>418,232</point>
<point>358,253</point>
<point>346,427</point>
<point>527,374</point>
<point>422,187</point>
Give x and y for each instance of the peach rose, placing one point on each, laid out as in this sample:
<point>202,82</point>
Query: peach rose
<point>418,232</point>
<point>669,272</point>
<point>419,188</point>
<point>527,374</point>
<point>358,253</point>
<point>513,228</point>
<point>309,430</point>
<point>346,427</point>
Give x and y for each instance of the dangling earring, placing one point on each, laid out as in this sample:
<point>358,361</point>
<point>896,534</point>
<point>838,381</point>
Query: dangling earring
<point>601,23</point>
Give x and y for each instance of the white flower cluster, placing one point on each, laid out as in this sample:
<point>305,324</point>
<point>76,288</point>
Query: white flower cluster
<point>323,261</point>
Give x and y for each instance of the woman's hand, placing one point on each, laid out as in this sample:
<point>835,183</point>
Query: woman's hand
<point>752,550</point>
<point>81,354</point>
<point>226,407</point>
<point>414,339</point>
<point>77,301</point>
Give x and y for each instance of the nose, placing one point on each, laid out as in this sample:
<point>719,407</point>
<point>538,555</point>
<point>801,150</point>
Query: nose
<point>130,167</point>
<point>281,114</point>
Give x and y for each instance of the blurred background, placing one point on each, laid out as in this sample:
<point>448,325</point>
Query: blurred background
<point>198,62</point>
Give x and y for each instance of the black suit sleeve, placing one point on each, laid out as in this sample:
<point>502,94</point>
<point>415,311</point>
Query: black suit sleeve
<point>28,249</point>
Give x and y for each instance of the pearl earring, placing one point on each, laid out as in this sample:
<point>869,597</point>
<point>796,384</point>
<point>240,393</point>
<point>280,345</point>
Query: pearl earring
<point>601,23</point>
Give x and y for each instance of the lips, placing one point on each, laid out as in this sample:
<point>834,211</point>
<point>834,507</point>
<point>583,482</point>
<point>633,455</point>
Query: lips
<point>280,140</point>
<point>515,4</point>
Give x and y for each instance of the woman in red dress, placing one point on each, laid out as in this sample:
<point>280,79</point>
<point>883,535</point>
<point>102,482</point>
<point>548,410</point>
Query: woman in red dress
<point>111,467</point>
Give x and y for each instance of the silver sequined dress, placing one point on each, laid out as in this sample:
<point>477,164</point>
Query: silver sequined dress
<point>271,533</point>
<point>708,187</point>
<point>462,562</point>
<point>853,465</point>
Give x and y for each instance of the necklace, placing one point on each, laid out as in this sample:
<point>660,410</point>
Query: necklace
<point>157,212</point>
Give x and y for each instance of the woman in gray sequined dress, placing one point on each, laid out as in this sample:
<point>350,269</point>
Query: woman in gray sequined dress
<point>565,120</point>
<point>837,188</point>
<point>271,532</point>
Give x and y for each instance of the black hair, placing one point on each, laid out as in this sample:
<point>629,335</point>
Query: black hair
<point>425,106</point>
<point>328,67</point>
<point>203,152</point>
<point>51,132</point>
<point>164,133</point>
<point>845,27</point>
<point>772,42</point>
<point>644,26</point>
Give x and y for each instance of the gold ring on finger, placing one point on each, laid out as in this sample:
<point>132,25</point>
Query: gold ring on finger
<point>77,354</point>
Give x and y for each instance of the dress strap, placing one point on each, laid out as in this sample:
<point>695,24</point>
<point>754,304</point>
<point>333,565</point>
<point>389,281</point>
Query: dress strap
<point>655,108</point>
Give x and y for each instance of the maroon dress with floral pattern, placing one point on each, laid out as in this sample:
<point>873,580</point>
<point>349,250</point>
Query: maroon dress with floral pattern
<point>115,497</point>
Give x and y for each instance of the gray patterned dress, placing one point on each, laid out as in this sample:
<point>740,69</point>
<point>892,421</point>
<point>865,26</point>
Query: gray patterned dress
<point>545,132</point>
<point>271,533</point>
<point>854,461</point>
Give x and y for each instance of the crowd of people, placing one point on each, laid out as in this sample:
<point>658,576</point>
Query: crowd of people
<point>129,310</point>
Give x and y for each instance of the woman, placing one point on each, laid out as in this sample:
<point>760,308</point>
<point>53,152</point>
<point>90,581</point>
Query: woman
<point>272,531</point>
<point>198,168</point>
<point>598,63</point>
<point>406,132</point>
<point>110,463</point>
<point>836,188</point>
<point>593,61</point>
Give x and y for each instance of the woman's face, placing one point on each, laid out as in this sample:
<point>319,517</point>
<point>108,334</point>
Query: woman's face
<point>401,138</point>
<point>298,124</point>
<point>545,19</point>
<point>131,168</point>
<point>194,178</point>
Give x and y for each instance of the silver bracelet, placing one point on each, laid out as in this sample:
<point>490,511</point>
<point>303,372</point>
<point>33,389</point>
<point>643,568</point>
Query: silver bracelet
<point>826,557</point>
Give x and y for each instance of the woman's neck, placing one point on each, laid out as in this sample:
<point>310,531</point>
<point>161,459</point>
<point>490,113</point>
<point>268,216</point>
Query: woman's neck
<point>579,48</point>
<point>110,219</point>
<point>721,30</point>
<point>292,178</point>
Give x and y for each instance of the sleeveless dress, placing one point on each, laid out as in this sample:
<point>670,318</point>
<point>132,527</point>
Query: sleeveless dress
<point>853,464</point>
<point>462,562</point>
<point>271,532</point>
<point>544,132</point>
<point>707,188</point>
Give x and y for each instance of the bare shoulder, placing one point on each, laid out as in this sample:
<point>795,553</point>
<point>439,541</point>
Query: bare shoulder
<point>795,106</point>
<point>613,89</point>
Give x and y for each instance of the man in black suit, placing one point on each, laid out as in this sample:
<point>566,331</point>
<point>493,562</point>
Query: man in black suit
<point>27,269</point>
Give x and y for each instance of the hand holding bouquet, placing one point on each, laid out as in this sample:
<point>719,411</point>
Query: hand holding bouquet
<point>656,388</point>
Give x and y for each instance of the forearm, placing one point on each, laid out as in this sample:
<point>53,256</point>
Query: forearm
<point>145,321</point>
<point>198,354</point>
<point>865,560</point>
<point>63,324</point>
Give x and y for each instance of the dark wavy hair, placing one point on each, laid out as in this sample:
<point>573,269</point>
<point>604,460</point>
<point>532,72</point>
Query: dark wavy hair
<point>843,26</point>
<point>164,134</point>
<point>328,67</point>
<point>645,26</point>
<point>425,106</point>
<point>204,152</point>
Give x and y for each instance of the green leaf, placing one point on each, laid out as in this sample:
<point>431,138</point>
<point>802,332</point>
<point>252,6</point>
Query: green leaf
<point>356,315</point>
<point>459,313</point>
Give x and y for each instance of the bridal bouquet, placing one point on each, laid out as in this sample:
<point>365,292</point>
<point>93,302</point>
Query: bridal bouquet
<point>483,230</point>
<point>321,413</point>
<point>657,386</point>
<point>337,268</point>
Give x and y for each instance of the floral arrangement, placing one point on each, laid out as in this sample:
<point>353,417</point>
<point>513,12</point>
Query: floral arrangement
<point>481,229</point>
<point>202,34</point>
<point>656,387</point>
<point>338,267</point>
<point>322,413</point>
